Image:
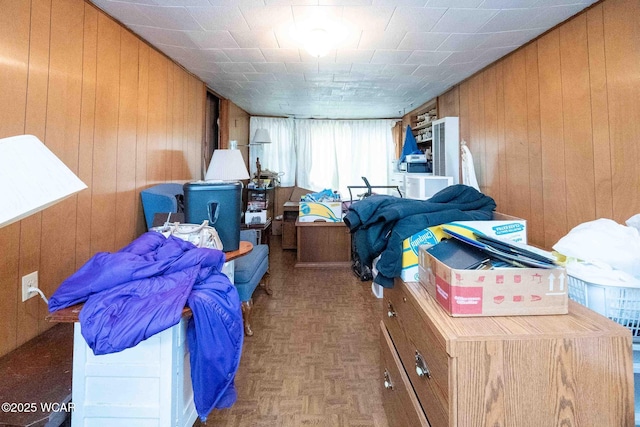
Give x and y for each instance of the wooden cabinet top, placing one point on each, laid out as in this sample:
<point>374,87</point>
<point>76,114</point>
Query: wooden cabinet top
<point>580,322</point>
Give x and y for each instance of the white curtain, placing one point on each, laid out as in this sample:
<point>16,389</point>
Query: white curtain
<point>319,154</point>
<point>280,155</point>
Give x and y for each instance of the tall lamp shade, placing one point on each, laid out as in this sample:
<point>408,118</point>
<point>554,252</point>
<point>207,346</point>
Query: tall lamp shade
<point>261,137</point>
<point>226,165</point>
<point>32,178</point>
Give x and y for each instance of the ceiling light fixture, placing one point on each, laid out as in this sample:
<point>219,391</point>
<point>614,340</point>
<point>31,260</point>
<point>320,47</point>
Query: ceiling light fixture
<point>318,42</point>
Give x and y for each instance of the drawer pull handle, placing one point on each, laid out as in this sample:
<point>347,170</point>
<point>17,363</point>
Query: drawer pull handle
<point>390,311</point>
<point>421,366</point>
<point>387,381</point>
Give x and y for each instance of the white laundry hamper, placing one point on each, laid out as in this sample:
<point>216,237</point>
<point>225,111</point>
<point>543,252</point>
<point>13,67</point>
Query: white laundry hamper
<point>620,304</point>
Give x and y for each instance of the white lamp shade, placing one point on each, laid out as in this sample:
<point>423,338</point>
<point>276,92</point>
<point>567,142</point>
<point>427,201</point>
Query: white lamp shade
<point>226,165</point>
<point>261,137</point>
<point>32,178</point>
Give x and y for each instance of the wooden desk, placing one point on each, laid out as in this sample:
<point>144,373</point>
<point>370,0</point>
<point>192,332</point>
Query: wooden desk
<point>323,244</point>
<point>289,218</point>
<point>150,382</point>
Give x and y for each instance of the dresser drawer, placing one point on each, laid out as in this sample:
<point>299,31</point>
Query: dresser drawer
<point>424,359</point>
<point>400,403</point>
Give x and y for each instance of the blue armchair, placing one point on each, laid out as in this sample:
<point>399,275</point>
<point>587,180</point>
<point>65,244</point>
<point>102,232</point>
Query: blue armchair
<point>250,271</point>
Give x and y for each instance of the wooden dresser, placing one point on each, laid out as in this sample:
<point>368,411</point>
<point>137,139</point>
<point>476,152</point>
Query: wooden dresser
<point>573,370</point>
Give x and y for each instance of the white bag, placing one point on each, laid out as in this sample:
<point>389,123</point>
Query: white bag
<point>201,235</point>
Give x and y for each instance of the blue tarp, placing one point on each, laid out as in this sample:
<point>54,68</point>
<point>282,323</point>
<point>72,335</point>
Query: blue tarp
<point>410,145</point>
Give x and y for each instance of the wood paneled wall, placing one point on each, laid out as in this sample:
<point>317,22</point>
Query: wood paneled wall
<point>554,128</point>
<point>117,112</point>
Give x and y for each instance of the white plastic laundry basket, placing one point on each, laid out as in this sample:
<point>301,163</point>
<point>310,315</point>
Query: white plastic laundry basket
<point>618,303</point>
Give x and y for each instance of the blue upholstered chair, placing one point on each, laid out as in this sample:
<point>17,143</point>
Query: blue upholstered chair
<point>160,198</point>
<point>250,271</point>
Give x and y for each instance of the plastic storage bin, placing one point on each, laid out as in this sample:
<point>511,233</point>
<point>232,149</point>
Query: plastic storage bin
<point>620,304</point>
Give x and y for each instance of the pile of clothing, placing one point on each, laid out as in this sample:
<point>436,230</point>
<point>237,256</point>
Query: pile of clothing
<point>143,288</point>
<point>380,223</point>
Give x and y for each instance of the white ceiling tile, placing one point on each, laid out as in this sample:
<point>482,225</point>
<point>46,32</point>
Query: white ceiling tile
<point>130,14</point>
<point>367,69</point>
<point>393,55</point>
<point>334,68</point>
<point>415,18</point>
<point>508,38</point>
<point>400,69</point>
<point>171,18</point>
<point>460,58</point>
<point>462,42</point>
<point>214,55</point>
<point>252,39</point>
<point>245,55</point>
<point>270,67</point>
<point>371,18</point>
<point>178,2</point>
<point>350,56</point>
<point>552,16</point>
<point>260,77</point>
<point>237,67</point>
<point>212,39</point>
<point>380,39</point>
<point>507,20</point>
<point>390,56</point>
<point>299,67</point>
<point>232,75</point>
<point>281,55</point>
<point>346,2</point>
<point>512,4</point>
<point>396,3</point>
<point>422,41</point>
<point>422,57</point>
<point>457,4</point>
<point>165,37</point>
<point>219,18</point>
<point>268,17</point>
<point>463,20</point>
<point>290,77</point>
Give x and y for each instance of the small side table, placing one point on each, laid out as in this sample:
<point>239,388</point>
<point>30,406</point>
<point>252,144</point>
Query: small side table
<point>264,230</point>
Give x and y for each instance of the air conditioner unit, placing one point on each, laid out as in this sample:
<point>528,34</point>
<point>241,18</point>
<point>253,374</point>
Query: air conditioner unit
<point>446,148</point>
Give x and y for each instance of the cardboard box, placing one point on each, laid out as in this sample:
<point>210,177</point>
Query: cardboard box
<point>316,211</point>
<point>499,292</point>
<point>501,227</point>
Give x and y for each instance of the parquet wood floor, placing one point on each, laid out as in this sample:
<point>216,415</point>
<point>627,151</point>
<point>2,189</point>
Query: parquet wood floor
<point>314,357</point>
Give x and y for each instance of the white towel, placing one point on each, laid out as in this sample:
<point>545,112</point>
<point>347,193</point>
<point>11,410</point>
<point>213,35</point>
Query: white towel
<point>468,171</point>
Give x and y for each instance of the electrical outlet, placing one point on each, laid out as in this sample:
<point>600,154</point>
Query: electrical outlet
<point>29,281</point>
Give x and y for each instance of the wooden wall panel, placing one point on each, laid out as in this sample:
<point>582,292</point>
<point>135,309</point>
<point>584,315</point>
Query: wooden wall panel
<point>14,44</point>
<point>83,84</point>
<point>87,127</point>
<point>449,103</point>
<point>576,109</point>
<point>622,56</point>
<point>552,137</point>
<point>516,138</point>
<point>536,218</point>
<point>489,164</point>
<point>599,114</point>
<point>142,139</point>
<point>501,196</point>
<point>157,118</point>
<point>126,161</point>
<point>476,123</point>
<point>35,123</point>
<point>62,137</point>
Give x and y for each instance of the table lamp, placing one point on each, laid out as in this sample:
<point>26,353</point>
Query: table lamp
<point>32,178</point>
<point>218,198</point>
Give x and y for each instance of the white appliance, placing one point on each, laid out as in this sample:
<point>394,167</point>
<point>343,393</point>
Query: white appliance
<point>446,148</point>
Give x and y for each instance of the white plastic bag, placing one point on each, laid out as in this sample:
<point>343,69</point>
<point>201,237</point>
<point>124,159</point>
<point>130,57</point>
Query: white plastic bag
<point>201,235</point>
